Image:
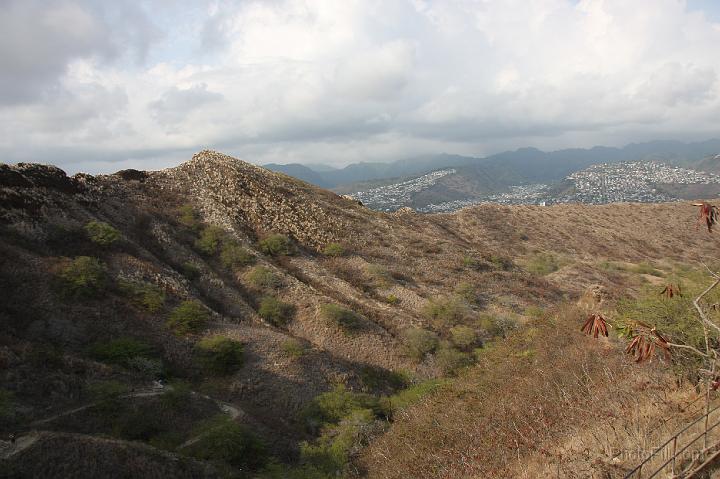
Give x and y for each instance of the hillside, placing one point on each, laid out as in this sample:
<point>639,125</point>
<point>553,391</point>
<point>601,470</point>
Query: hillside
<point>348,319</point>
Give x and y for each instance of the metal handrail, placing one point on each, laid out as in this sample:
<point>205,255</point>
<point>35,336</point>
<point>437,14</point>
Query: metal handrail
<point>677,453</point>
<point>673,437</point>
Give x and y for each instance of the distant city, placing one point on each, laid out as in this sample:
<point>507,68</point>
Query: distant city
<point>636,181</point>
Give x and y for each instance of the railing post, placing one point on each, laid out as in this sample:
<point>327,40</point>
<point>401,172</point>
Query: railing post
<point>640,472</point>
<point>674,454</point>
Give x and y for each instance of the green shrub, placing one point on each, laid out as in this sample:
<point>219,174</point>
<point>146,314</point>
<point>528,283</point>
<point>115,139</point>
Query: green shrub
<point>331,452</point>
<point>467,292</point>
<point>543,264</point>
<point>143,294</point>
<point>334,249</point>
<point>276,245</point>
<point>445,312</point>
<point>188,216</point>
<point>102,233</point>
<point>501,262</point>
<point>107,395</point>
<point>84,277</point>
<point>209,241</point>
<point>294,348</point>
<point>224,440</point>
<point>148,367</point>
<point>418,342</point>
<point>188,317</point>
<point>349,321</point>
<point>500,326</point>
<point>176,397</point>
<point>275,311</point>
<point>120,350</point>
<point>8,411</point>
<point>220,355</point>
<point>450,360</point>
<point>190,270</point>
<point>332,406</point>
<point>232,255</point>
<point>392,299</point>
<point>413,394</point>
<point>380,379</point>
<point>262,277</point>
<point>464,337</point>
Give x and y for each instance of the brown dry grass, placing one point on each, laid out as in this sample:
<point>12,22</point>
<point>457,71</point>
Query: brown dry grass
<point>533,403</point>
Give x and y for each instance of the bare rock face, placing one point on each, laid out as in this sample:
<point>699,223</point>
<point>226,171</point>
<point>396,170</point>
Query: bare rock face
<point>26,175</point>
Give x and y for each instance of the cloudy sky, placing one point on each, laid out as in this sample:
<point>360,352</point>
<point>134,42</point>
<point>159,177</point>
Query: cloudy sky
<point>94,85</point>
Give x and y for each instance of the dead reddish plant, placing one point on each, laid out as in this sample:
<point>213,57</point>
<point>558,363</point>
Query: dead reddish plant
<point>595,325</point>
<point>671,290</point>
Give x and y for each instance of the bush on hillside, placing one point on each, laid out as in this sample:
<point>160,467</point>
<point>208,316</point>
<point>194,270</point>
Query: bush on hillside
<point>498,326</point>
<point>379,276</point>
<point>233,255</point>
<point>275,311</point>
<point>334,250</point>
<point>224,440</point>
<point>467,292</point>
<point>332,406</point>
<point>120,350</point>
<point>332,451</point>
<point>445,312</point>
<point>263,278</point>
<point>276,245</point>
<point>543,264</point>
<point>190,270</point>
<point>220,355</point>
<point>188,317</point>
<point>84,277</point>
<point>450,360</point>
<point>187,216</point>
<point>379,379</point>
<point>101,233</point>
<point>294,348</point>
<point>107,395</point>
<point>209,241</point>
<point>349,321</point>
<point>8,411</point>
<point>464,337</point>
<point>143,294</point>
<point>414,394</point>
<point>418,342</point>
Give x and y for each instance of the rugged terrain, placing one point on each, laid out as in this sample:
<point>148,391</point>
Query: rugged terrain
<point>351,284</point>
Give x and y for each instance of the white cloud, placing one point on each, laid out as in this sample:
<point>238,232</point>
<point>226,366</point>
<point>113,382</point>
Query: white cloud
<point>322,80</point>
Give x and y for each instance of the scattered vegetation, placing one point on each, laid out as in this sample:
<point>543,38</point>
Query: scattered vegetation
<point>543,264</point>
<point>413,394</point>
<point>233,255</point>
<point>445,312</point>
<point>464,337</point>
<point>263,278</point>
<point>220,355</point>
<point>392,299</point>
<point>294,348</point>
<point>334,249</point>
<point>210,239</point>
<point>379,276</point>
<point>188,317</point>
<point>646,268</point>
<point>276,245</point>
<point>380,379</point>
<point>120,351</point>
<point>101,233</point>
<point>84,277</point>
<point>190,271</point>
<point>331,407</point>
<point>8,412</point>
<point>275,311</point>
<point>418,342</point>
<point>143,294</point>
<point>187,216</point>
<point>225,441</point>
<point>349,321</point>
<point>498,326</point>
<point>107,395</point>
<point>467,292</point>
<point>450,360</point>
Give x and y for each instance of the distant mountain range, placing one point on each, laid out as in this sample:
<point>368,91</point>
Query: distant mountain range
<point>493,173</point>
